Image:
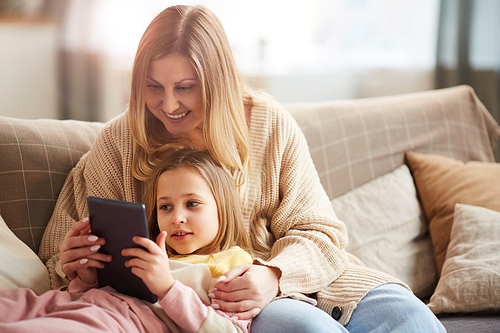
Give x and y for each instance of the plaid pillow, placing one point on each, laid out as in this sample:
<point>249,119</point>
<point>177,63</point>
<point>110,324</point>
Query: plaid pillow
<point>354,141</point>
<point>35,158</point>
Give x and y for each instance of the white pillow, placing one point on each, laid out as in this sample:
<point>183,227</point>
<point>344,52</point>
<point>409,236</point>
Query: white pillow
<point>388,231</point>
<point>20,266</point>
<point>470,280</point>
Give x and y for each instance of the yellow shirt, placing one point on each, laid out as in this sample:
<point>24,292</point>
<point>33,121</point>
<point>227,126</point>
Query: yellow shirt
<point>219,263</point>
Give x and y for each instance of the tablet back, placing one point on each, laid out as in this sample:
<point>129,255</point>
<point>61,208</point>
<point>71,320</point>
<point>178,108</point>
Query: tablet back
<point>118,222</point>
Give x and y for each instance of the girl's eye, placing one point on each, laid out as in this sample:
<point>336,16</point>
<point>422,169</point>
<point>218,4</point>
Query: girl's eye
<point>192,204</point>
<point>165,207</point>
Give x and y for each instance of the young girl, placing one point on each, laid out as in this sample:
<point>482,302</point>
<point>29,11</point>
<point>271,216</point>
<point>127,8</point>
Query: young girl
<point>194,214</point>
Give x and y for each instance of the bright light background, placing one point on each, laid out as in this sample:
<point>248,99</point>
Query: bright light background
<point>296,50</point>
<point>280,37</point>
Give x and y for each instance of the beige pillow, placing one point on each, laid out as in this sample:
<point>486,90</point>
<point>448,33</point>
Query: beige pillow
<point>470,280</point>
<point>387,229</point>
<point>442,182</point>
<point>20,266</point>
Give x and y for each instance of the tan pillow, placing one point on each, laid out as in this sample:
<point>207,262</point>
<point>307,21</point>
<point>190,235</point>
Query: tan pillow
<point>442,182</point>
<point>20,266</point>
<point>387,229</point>
<point>470,281</point>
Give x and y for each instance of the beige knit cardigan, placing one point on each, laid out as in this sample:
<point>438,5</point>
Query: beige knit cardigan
<point>289,216</point>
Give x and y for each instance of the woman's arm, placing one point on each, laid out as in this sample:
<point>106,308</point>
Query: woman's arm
<point>105,171</point>
<point>294,227</point>
<point>309,238</point>
<point>246,290</point>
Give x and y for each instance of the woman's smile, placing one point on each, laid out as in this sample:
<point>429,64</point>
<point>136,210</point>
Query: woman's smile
<point>177,116</point>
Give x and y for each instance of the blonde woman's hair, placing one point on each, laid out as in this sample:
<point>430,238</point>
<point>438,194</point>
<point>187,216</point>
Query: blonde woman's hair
<point>232,231</point>
<point>197,34</point>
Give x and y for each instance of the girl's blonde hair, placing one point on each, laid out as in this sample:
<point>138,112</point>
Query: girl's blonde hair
<point>232,231</point>
<point>197,34</point>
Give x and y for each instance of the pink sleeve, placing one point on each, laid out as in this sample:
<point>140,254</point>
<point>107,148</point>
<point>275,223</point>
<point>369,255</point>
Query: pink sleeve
<point>184,307</point>
<point>78,286</point>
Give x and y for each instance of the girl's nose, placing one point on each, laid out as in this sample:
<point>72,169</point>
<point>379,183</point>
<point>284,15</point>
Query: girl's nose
<point>178,218</point>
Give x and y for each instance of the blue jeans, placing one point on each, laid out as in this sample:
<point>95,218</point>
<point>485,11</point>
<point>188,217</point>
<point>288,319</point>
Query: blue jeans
<point>388,308</point>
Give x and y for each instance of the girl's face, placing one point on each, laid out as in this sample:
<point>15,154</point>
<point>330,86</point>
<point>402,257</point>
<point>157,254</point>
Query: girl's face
<point>187,211</point>
<point>173,94</point>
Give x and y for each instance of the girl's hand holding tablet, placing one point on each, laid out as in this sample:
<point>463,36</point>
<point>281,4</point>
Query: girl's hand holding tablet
<point>152,267</point>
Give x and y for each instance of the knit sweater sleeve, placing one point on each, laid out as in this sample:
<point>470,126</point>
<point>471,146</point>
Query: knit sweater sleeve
<point>105,171</point>
<point>294,226</point>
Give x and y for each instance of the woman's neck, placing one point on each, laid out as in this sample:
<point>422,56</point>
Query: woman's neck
<point>195,140</point>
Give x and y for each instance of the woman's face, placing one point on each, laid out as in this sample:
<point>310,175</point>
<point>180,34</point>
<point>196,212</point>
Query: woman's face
<point>187,211</point>
<point>173,95</point>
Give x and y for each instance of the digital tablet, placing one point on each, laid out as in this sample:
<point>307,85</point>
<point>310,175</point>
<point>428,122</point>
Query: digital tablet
<point>118,222</point>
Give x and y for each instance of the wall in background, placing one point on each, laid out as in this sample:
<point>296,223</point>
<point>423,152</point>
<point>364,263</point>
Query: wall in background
<point>297,50</point>
<point>29,85</point>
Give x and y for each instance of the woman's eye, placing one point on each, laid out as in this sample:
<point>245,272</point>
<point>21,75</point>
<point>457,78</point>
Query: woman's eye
<point>154,87</point>
<point>192,204</point>
<point>184,88</point>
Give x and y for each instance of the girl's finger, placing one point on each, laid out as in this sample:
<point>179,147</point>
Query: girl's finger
<point>160,241</point>
<point>148,244</point>
<point>137,262</point>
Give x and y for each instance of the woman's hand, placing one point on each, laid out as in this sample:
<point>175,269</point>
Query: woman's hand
<point>152,267</point>
<point>79,256</point>
<point>246,289</point>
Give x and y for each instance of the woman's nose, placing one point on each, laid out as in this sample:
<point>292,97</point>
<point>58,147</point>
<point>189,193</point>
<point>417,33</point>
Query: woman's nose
<point>170,102</point>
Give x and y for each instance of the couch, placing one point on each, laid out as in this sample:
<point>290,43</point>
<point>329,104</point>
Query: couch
<point>413,176</point>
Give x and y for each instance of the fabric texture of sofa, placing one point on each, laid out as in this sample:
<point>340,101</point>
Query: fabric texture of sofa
<point>382,162</point>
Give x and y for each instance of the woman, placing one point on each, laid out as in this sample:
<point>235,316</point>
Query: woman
<point>186,89</point>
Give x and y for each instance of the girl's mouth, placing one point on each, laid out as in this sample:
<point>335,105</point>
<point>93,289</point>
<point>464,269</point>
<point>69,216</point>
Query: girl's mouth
<point>181,235</point>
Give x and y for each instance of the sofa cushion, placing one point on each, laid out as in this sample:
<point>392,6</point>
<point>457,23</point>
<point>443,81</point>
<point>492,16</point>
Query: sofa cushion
<point>36,156</point>
<point>20,266</point>
<point>354,141</point>
<point>442,182</point>
<point>470,278</point>
<point>388,231</point>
